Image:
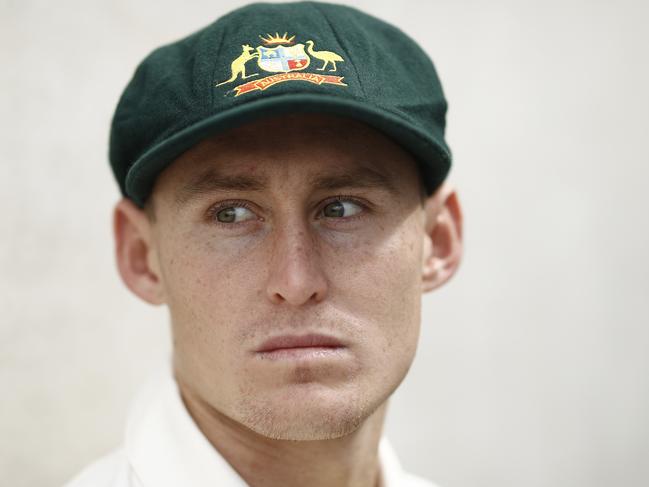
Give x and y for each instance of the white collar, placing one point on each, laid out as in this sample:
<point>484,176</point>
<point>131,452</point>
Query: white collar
<point>165,447</point>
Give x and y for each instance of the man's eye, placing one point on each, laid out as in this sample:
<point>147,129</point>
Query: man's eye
<point>231,214</point>
<point>338,208</point>
<point>238,212</point>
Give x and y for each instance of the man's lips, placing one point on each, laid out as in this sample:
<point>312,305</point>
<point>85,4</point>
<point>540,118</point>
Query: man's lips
<point>299,341</point>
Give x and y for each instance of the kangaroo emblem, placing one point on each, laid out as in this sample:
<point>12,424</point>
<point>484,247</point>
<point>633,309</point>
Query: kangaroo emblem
<point>280,59</point>
<point>238,66</point>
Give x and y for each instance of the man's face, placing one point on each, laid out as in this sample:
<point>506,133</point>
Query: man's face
<point>292,254</point>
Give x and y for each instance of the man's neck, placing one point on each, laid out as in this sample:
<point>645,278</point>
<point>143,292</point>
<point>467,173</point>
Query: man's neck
<point>348,461</point>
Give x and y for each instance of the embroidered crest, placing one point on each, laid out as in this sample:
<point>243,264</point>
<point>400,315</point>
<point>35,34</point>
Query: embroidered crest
<point>282,59</point>
<point>281,56</point>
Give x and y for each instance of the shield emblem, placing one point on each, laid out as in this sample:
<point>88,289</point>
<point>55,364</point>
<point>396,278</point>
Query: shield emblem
<point>282,59</point>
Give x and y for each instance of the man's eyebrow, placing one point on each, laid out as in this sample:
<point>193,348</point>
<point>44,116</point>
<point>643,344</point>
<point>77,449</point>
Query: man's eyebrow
<point>360,177</point>
<point>211,181</point>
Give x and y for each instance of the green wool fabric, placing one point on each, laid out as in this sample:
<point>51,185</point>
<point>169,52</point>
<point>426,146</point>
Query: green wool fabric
<point>190,89</point>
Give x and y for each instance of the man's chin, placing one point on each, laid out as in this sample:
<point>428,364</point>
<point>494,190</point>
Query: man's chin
<point>307,414</point>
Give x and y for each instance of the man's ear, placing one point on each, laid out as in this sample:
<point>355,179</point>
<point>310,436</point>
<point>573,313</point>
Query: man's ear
<point>442,239</point>
<point>137,259</point>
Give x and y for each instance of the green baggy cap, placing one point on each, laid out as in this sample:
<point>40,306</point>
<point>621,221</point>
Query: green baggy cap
<point>268,59</point>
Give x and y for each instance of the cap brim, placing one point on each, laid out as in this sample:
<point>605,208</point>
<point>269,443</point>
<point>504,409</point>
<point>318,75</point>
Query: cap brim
<point>432,155</point>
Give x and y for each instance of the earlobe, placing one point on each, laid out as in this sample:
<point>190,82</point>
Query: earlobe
<point>135,255</point>
<point>442,239</point>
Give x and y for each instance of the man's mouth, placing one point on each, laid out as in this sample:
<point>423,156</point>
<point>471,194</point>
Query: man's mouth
<point>313,345</point>
<point>300,341</point>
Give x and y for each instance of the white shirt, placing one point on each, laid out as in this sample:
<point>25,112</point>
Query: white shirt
<point>164,447</point>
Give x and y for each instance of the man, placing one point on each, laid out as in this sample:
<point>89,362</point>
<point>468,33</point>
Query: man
<point>290,219</point>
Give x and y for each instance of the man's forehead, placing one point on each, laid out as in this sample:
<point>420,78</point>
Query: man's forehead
<point>320,178</point>
<point>335,153</point>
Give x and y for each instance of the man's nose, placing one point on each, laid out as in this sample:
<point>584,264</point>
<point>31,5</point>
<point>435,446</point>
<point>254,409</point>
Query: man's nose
<point>295,273</point>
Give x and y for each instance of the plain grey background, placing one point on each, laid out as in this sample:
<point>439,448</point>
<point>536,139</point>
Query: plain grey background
<point>532,366</point>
